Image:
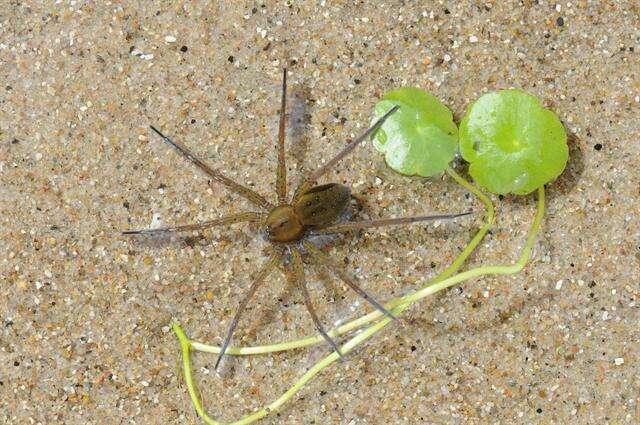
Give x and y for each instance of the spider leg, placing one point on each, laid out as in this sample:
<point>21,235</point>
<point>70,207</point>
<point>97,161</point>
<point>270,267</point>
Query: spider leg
<point>368,224</point>
<point>258,280</point>
<point>331,265</point>
<point>298,274</point>
<point>228,220</point>
<point>216,175</point>
<point>281,179</point>
<point>344,152</point>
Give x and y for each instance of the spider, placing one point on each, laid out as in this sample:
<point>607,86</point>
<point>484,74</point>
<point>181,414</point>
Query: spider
<point>288,224</point>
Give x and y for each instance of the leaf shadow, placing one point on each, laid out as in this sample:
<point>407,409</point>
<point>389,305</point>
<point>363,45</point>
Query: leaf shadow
<point>568,180</point>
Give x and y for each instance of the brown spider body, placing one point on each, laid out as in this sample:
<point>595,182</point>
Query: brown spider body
<point>320,205</point>
<point>313,210</point>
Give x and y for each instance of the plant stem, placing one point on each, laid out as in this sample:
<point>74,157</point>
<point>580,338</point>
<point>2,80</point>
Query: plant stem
<point>398,305</point>
<point>525,255</point>
<point>489,219</point>
<point>428,289</point>
<point>185,345</point>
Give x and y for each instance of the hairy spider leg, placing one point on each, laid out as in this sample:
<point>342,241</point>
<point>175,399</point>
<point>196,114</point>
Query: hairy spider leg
<point>311,180</point>
<point>216,175</point>
<point>258,280</point>
<point>281,178</point>
<point>252,217</point>
<point>368,224</point>
<point>298,274</point>
<point>332,266</point>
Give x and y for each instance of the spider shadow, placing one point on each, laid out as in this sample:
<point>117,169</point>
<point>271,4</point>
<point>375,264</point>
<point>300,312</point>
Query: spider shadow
<point>290,294</point>
<point>314,272</point>
<point>282,300</point>
<point>299,120</point>
<point>163,241</point>
<point>201,238</point>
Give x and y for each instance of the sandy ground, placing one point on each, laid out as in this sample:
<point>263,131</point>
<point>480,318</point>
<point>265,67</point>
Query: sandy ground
<point>84,311</point>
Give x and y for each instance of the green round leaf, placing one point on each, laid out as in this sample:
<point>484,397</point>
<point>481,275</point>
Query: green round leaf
<point>420,138</point>
<point>513,144</point>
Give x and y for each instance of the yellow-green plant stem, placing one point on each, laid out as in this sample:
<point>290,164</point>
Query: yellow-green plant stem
<point>391,305</point>
<point>185,346</point>
<point>525,255</point>
<point>488,222</point>
<point>442,282</point>
<point>428,289</point>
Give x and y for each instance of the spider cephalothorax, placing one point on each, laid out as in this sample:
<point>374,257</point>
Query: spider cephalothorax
<point>288,223</point>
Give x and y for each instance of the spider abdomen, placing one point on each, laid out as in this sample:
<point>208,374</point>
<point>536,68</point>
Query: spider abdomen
<point>322,204</point>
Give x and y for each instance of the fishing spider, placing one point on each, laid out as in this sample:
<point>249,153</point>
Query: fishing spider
<point>288,224</point>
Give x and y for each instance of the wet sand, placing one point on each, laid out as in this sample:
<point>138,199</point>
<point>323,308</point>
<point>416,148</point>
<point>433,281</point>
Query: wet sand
<point>85,311</point>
